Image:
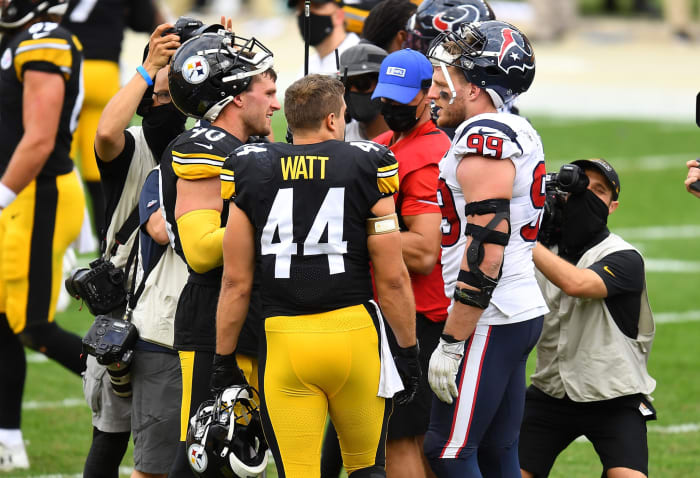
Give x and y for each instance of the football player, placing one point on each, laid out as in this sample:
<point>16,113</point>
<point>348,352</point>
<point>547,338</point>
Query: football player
<point>228,82</point>
<point>313,214</point>
<point>40,99</point>
<point>491,194</point>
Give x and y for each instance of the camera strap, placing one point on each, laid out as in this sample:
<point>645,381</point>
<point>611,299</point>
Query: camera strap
<point>123,234</point>
<point>132,261</point>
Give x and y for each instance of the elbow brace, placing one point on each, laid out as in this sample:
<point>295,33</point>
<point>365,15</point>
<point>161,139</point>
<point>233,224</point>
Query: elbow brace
<point>202,238</point>
<point>483,285</point>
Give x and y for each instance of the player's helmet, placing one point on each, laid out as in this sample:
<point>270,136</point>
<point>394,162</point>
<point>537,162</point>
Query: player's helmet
<point>208,70</point>
<point>493,55</point>
<point>16,13</point>
<point>436,16</point>
<point>225,437</point>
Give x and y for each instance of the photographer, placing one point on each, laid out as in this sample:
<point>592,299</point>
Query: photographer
<point>591,375</point>
<point>125,158</point>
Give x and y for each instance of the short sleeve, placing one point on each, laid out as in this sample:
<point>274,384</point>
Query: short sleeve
<point>149,201</point>
<point>192,162</point>
<point>622,272</point>
<point>488,138</point>
<point>419,191</point>
<point>383,163</point>
<point>47,49</point>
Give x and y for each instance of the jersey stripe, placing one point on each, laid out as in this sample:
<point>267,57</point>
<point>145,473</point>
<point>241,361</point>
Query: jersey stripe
<point>388,178</point>
<point>228,184</point>
<point>194,166</point>
<point>50,50</point>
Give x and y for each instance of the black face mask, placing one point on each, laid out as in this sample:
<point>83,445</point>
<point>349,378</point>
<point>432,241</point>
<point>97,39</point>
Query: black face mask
<point>362,107</point>
<point>585,216</point>
<point>400,118</point>
<point>321,26</point>
<point>160,126</point>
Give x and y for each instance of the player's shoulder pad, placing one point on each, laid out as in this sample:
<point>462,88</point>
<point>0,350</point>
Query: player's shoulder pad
<point>45,43</point>
<point>199,152</point>
<point>383,163</point>
<point>490,136</point>
<point>234,161</point>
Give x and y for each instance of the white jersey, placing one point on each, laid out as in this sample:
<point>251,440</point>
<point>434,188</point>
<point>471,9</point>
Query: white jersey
<point>517,296</point>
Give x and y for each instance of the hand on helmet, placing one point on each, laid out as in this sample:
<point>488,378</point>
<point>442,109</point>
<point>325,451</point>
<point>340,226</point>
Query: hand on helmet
<point>409,369</point>
<point>161,47</point>
<point>442,371</point>
<point>225,373</point>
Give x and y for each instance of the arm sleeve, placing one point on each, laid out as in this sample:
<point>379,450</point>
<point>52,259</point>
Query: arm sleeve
<point>419,191</point>
<point>622,272</point>
<point>202,238</point>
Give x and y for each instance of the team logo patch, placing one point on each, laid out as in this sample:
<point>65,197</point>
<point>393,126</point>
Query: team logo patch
<point>197,457</point>
<point>396,71</point>
<point>6,59</point>
<point>195,69</point>
<point>513,52</point>
<point>448,19</point>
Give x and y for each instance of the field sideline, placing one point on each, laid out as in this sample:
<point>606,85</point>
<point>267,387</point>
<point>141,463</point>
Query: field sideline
<point>656,215</point>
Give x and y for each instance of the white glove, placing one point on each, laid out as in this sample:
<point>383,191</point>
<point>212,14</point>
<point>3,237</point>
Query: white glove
<point>442,371</point>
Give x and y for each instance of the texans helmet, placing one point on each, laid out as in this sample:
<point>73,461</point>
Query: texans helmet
<point>493,55</point>
<point>210,69</point>
<point>17,13</point>
<point>225,437</point>
<point>436,16</point>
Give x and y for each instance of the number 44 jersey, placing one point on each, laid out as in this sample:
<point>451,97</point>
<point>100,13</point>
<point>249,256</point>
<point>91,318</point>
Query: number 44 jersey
<point>503,137</point>
<point>309,205</point>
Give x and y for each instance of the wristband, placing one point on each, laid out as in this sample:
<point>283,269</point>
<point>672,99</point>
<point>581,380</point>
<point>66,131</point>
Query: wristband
<point>147,78</point>
<point>7,195</point>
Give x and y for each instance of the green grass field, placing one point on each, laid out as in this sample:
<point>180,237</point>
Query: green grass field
<point>650,158</point>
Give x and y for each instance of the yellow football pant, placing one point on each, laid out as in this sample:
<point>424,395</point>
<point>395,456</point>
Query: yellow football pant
<point>316,364</point>
<point>35,231</point>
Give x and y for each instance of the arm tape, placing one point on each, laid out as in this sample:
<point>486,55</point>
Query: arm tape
<point>382,224</point>
<point>202,238</point>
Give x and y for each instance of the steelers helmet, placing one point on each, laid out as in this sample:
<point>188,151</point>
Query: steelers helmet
<point>210,69</point>
<point>225,437</point>
<point>17,13</point>
<point>493,55</point>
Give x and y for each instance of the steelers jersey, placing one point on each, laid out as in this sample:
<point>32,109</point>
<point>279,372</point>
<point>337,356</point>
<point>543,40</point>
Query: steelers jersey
<point>499,136</point>
<point>309,205</point>
<point>100,24</point>
<point>195,154</point>
<point>45,47</point>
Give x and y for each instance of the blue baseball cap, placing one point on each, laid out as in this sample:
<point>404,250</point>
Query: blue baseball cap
<point>403,75</point>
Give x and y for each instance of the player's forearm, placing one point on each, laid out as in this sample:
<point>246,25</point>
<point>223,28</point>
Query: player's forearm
<point>398,306</point>
<point>26,163</point>
<point>462,321</point>
<point>231,312</point>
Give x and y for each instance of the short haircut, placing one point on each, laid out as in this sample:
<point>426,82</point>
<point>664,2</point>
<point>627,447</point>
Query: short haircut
<point>270,73</point>
<point>309,100</point>
<point>386,20</point>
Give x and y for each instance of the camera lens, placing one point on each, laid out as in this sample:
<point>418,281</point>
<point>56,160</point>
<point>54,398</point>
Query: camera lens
<point>72,282</point>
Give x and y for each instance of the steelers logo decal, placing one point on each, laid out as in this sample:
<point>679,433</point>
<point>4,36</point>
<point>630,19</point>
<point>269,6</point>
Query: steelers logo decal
<point>195,69</point>
<point>197,457</point>
<point>6,59</point>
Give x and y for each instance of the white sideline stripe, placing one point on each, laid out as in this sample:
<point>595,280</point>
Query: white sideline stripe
<point>37,358</point>
<point>65,403</point>
<point>681,231</point>
<point>671,265</point>
<point>123,470</point>
<point>668,429</point>
<point>674,317</point>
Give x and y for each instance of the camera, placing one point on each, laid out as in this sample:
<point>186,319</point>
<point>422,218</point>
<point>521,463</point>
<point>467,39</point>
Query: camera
<point>102,286</point>
<point>111,342</point>
<point>570,179</point>
<point>186,28</point>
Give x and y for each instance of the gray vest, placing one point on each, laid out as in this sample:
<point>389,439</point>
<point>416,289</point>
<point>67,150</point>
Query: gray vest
<point>582,352</point>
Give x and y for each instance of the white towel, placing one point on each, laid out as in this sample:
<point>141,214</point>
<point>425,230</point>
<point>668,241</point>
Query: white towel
<point>389,379</point>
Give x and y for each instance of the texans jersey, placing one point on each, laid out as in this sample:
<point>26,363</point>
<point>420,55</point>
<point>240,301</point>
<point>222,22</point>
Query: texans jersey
<point>499,136</point>
<point>309,205</point>
<point>195,154</point>
<point>45,47</point>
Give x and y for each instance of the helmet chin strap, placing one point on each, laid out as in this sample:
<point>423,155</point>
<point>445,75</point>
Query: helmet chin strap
<point>450,84</point>
<point>495,97</point>
<point>213,112</point>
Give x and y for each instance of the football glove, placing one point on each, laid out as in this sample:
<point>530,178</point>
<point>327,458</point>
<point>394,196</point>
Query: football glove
<point>410,372</point>
<point>225,373</point>
<point>442,371</point>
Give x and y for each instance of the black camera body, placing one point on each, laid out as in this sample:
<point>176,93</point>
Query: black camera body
<point>111,342</point>
<point>571,179</point>
<point>102,286</point>
<point>187,27</point>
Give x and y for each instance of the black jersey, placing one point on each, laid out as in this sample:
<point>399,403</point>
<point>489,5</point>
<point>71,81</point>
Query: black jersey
<point>47,47</point>
<point>309,205</point>
<point>99,24</point>
<point>195,154</point>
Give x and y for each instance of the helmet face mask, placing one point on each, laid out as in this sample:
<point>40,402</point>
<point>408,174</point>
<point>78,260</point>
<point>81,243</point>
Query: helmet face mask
<point>493,55</point>
<point>17,13</point>
<point>225,437</point>
<point>210,69</point>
